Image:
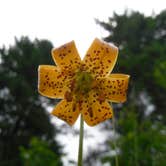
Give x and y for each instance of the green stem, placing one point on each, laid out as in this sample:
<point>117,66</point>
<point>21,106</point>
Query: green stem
<point>80,150</point>
<point>115,145</point>
<point>135,145</point>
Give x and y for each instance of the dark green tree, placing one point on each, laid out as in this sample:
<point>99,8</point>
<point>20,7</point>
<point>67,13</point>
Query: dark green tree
<point>39,153</point>
<point>142,54</point>
<point>22,112</point>
<point>140,143</point>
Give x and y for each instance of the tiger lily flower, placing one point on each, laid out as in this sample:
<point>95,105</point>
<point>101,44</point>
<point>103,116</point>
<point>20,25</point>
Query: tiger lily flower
<point>85,86</point>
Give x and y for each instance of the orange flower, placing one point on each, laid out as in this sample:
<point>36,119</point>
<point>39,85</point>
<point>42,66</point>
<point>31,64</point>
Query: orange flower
<point>84,86</point>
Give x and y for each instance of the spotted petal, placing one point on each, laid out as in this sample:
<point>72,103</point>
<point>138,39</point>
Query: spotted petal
<point>66,111</point>
<point>67,57</point>
<point>114,87</point>
<point>94,111</point>
<point>100,58</point>
<point>52,82</point>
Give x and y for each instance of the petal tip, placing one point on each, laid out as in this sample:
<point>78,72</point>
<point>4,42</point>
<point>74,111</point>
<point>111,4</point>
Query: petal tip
<point>69,123</point>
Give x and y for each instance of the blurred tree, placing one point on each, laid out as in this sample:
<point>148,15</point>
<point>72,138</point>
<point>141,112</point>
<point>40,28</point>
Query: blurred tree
<point>142,53</point>
<point>139,143</point>
<point>39,154</point>
<point>141,121</point>
<point>22,109</point>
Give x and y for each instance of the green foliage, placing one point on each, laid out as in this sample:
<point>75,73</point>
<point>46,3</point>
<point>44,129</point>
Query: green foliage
<point>141,143</point>
<point>160,73</point>
<point>142,54</point>
<point>22,115</point>
<point>39,153</point>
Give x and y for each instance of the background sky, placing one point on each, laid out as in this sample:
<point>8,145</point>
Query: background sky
<point>61,21</point>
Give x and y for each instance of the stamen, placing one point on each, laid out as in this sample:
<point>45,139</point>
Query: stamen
<point>74,107</point>
<point>90,112</point>
<point>72,84</point>
<point>83,82</point>
<point>68,96</point>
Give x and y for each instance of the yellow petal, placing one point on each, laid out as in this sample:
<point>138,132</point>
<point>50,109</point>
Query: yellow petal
<point>114,87</point>
<point>66,111</point>
<point>95,112</point>
<point>67,57</point>
<point>51,82</point>
<point>100,58</point>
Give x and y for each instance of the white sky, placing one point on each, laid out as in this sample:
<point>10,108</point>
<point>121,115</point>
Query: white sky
<point>61,21</point>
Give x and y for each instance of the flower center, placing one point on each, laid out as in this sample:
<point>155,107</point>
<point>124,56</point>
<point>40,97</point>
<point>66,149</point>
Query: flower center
<point>83,82</point>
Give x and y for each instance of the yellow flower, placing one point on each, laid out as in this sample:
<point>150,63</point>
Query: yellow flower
<point>84,86</point>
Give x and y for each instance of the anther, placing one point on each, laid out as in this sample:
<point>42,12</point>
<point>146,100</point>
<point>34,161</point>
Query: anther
<point>90,112</point>
<point>68,96</point>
